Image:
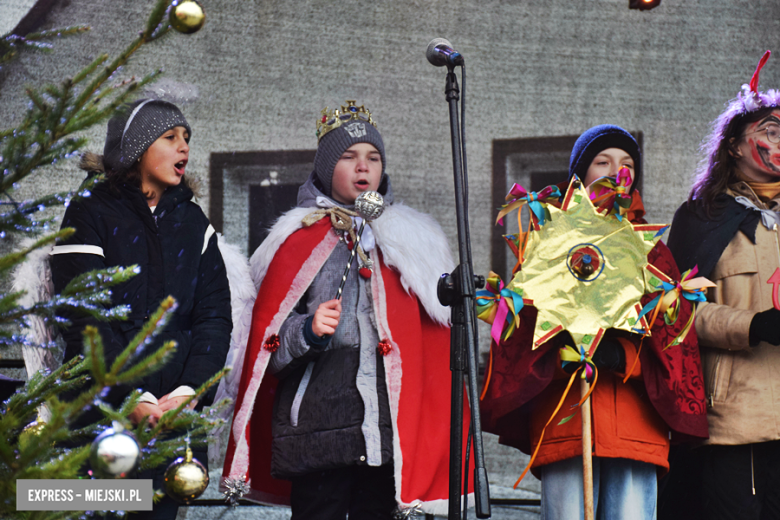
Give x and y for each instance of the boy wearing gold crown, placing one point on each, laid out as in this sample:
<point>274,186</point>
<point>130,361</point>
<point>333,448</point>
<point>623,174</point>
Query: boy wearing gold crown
<point>347,399</point>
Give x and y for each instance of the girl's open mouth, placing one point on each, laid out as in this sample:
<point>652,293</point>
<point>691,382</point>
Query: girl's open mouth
<point>179,167</point>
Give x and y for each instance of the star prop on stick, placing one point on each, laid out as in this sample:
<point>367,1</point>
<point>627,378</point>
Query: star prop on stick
<point>585,269</point>
<point>586,272</point>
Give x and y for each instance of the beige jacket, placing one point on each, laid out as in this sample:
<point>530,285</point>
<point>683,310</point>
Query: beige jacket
<point>742,383</point>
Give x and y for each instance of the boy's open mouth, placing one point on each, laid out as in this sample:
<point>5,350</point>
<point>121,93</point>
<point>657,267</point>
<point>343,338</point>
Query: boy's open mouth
<point>362,183</point>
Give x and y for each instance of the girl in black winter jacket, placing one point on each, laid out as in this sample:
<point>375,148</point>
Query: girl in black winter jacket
<point>143,214</point>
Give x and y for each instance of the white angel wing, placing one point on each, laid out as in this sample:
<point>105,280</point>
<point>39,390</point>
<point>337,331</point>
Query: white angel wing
<point>42,349</point>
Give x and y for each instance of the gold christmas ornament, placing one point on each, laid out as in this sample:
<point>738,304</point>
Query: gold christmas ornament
<point>187,16</point>
<point>30,433</point>
<point>186,479</point>
<point>115,453</point>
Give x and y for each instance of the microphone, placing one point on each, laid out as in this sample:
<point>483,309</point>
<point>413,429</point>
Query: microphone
<point>441,53</point>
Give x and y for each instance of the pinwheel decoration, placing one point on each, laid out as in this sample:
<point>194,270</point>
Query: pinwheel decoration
<point>667,303</point>
<point>499,306</point>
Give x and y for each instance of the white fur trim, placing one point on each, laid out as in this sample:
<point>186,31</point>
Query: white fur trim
<point>242,299</point>
<point>415,245</point>
<point>77,248</point>
<point>284,226</point>
<point>412,242</point>
<point>209,231</point>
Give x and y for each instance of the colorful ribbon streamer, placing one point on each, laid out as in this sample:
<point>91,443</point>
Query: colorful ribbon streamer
<point>536,201</point>
<point>499,306</point>
<point>668,302</point>
<point>611,195</point>
<point>571,355</point>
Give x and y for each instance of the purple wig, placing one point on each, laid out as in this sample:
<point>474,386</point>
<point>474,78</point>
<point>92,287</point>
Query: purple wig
<point>714,166</point>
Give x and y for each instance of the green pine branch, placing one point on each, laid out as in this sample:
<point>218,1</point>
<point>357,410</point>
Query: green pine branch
<point>11,43</point>
<point>49,132</point>
<point>56,450</point>
<point>56,112</point>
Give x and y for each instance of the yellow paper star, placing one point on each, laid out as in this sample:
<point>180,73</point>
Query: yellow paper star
<point>586,272</point>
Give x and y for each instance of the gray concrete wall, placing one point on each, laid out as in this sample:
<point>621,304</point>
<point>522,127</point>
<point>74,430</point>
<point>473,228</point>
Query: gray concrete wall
<point>259,72</point>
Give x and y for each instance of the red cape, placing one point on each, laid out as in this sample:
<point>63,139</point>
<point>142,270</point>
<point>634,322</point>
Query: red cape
<point>417,374</point>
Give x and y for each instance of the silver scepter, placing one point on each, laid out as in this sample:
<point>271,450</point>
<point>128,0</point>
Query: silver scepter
<point>369,205</point>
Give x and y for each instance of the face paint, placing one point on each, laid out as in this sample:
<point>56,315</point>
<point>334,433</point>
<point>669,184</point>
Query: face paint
<point>762,150</point>
<point>756,156</point>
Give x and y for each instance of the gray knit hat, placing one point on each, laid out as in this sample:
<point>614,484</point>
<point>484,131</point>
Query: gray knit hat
<point>355,126</point>
<point>135,127</point>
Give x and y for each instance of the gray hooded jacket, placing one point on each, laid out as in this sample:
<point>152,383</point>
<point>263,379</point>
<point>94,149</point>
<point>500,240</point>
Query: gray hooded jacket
<point>331,408</point>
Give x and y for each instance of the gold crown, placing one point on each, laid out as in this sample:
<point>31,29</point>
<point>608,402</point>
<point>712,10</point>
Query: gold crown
<point>332,120</point>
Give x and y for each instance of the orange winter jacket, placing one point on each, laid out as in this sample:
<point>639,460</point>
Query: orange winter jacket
<point>624,422</point>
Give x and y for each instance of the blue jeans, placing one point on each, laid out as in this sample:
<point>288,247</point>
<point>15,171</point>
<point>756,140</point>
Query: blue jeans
<point>623,489</point>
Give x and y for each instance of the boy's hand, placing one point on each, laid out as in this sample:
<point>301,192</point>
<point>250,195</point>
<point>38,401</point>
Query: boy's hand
<point>326,318</point>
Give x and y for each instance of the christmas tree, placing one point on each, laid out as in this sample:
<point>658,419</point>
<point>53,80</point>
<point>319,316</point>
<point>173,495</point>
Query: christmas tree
<point>36,435</point>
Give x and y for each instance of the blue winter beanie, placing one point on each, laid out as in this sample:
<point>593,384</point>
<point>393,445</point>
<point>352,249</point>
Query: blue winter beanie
<point>597,139</point>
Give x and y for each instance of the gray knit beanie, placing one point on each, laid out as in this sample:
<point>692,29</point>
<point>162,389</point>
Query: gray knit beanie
<point>135,127</point>
<point>356,126</point>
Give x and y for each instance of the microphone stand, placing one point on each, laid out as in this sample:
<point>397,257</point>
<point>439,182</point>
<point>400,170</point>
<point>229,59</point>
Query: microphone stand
<point>458,290</point>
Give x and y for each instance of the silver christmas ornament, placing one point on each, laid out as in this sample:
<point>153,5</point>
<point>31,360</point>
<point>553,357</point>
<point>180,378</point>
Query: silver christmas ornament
<point>115,453</point>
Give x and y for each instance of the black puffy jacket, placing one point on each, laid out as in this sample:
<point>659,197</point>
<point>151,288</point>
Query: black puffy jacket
<point>176,249</point>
